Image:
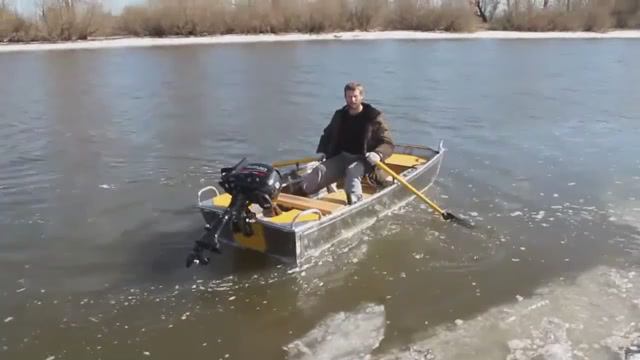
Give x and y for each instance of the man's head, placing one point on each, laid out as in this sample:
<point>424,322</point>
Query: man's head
<point>353,95</point>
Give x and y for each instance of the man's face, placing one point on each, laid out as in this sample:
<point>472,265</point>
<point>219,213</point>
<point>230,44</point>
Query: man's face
<point>353,99</point>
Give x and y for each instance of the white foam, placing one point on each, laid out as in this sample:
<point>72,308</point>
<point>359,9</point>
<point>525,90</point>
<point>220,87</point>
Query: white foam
<point>346,253</point>
<point>627,213</point>
<point>539,215</point>
<point>102,43</point>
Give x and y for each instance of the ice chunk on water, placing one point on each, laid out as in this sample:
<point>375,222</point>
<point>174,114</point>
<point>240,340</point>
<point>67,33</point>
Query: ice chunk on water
<point>345,335</point>
<point>589,318</point>
<point>632,352</point>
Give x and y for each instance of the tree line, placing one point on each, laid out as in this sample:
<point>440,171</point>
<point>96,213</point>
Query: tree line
<point>66,20</point>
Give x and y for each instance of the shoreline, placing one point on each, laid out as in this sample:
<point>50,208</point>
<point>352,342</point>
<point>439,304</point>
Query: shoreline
<point>123,42</point>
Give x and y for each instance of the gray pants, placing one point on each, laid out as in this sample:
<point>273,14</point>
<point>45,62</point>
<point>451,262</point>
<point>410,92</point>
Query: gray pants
<point>349,166</point>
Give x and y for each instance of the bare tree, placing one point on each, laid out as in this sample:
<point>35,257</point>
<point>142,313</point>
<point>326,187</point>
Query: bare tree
<point>69,19</point>
<point>368,14</point>
<point>486,9</point>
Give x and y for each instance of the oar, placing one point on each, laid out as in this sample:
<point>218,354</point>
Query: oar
<point>446,215</point>
<point>297,161</point>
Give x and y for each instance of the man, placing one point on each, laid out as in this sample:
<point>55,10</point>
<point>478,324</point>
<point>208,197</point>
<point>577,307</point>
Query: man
<point>355,139</point>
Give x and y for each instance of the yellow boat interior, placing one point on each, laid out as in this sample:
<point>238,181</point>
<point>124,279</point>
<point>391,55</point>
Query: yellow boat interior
<point>299,209</point>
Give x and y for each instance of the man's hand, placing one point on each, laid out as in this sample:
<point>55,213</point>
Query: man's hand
<point>373,157</point>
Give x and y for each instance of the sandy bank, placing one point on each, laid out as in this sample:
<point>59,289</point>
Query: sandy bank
<point>380,35</point>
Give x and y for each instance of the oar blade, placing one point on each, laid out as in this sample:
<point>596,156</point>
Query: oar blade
<point>457,220</point>
<point>445,214</point>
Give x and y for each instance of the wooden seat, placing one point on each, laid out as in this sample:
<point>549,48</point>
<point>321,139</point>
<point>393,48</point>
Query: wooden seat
<point>303,203</point>
<point>400,162</point>
<point>340,197</point>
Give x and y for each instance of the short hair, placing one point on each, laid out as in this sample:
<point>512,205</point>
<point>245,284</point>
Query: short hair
<point>353,86</point>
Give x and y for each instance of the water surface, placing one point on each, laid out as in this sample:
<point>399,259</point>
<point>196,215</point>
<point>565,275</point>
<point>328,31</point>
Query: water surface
<point>103,151</point>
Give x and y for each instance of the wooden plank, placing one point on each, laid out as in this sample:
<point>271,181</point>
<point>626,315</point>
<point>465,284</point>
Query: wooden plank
<point>303,203</point>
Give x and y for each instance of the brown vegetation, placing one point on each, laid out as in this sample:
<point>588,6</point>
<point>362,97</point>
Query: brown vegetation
<point>563,15</point>
<point>56,20</point>
<point>64,20</point>
<point>13,27</point>
<point>200,17</point>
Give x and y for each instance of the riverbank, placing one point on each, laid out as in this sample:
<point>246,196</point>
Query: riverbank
<point>122,42</point>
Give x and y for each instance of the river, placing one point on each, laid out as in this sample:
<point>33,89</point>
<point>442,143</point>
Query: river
<point>102,153</point>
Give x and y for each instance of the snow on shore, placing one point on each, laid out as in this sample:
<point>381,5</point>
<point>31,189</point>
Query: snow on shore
<point>373,35</point>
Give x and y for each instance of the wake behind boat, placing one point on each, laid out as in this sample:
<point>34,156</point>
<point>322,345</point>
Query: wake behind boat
<point>258,209</point>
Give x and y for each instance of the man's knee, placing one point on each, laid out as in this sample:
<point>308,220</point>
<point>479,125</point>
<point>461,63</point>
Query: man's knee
<point>311,181</point>
<point>355,170</point>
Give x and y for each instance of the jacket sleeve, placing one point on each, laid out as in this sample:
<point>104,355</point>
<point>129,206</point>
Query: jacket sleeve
<point>381,136</point>
<point>325,138</point>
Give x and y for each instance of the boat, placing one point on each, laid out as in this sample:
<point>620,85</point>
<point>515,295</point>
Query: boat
<point>293,228</point>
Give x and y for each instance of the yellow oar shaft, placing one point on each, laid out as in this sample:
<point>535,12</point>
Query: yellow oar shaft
<point>384,167</point>
<point>294,162</point>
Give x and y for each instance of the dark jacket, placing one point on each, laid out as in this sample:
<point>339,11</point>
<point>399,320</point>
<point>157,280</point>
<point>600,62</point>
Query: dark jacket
<point>376,134</point>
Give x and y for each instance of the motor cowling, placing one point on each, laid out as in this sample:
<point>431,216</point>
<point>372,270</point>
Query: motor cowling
<point>257,183</point>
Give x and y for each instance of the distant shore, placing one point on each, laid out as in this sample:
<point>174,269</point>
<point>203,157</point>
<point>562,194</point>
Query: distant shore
<point>122,42</point>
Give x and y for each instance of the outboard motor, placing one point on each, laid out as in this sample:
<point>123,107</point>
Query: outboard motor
<point>247,184</point>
